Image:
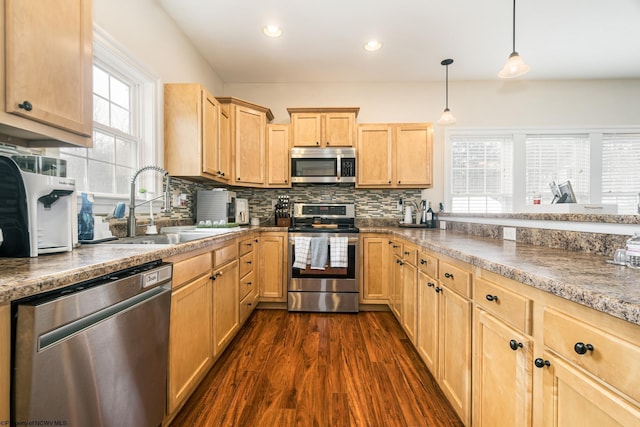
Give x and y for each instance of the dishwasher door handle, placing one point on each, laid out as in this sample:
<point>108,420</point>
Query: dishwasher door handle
<point>57,335</point>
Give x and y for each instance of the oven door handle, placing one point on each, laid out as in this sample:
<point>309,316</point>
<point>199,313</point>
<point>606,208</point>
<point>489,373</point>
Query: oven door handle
<point>350,240</point>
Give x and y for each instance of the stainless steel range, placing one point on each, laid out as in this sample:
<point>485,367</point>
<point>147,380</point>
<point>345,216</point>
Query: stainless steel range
<point>323,258</point>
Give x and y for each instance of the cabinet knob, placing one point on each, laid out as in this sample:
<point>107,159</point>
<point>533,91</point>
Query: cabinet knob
<point>249,262</point>
<point>448,275</point>
<point>238,178</point>
<point>422,261</point>
<point>256,240</point>
<point>395,246</point>
<point>222,173</point>
<point>541,363</point>
<point>389,181</point>
<point>492,298</point>
<point>401,263</point>
<point>515,345</point>
<point>438,289</point>
<point>285,181</point>
<point>215,275</point>
<point>248,244</point>
<point>406,252</point>
<point>328,143</point>
<point>317,142</point>
<point>249,283</point>
<point>429,284</point>
<point>399,182</point>
<point>582,348</point>
<point>248,304</point>
<point>26,105</point>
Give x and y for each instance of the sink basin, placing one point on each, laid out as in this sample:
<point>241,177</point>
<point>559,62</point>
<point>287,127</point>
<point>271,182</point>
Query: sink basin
<point>155,239</point>
<point>184,235</point>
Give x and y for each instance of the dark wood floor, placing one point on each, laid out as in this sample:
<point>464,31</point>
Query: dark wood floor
<point>303,369</point>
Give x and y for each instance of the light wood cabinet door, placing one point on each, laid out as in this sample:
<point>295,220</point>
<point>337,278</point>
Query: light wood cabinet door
<point>190,339</point>
<point>249,132</point>
<point>224,147</point>
<point>278,161</point>
<point>502,374</point>
<point>307,129</point>
<point>323,127</point>
<point>454,355</point>
<point>226,307</point>
<point>395,297</point>
<point>273,266</point>
<point>375,270</point>
<point>413,153</point>
<point>211,156</point>
<point>375,156</point>
<point>409,299</point>
<point>49,57</point>
<point>428,321</point>
<point>573,398</point>
<point>339,129</point>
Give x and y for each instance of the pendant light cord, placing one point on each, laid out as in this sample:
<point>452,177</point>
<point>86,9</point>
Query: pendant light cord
<point>514,26</point>
<point>446,90</point>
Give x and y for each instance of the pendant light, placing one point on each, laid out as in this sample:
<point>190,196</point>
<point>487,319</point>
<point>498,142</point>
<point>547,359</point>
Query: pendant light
<point>515,66</point>
<point>446,118</point>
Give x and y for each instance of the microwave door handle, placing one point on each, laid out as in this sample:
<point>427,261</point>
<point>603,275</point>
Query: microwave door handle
<point>339,167</point>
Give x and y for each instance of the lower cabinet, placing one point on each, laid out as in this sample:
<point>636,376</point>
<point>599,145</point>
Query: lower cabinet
<point>409,299</point>
<point>226,307</point>
<point>5,362</point>
<point>428,321</point>
<point>502,373</point>
<point>273,266</point>
<point>374,275</point>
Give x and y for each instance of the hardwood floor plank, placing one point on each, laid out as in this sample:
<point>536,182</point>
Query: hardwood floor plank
<point>310,369</point>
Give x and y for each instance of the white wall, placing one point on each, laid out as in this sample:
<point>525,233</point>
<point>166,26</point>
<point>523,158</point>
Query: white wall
<point>149,34</point>
<point>476,104</point>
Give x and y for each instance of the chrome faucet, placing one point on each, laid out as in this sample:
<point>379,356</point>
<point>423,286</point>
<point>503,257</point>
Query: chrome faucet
<point>131,223</point>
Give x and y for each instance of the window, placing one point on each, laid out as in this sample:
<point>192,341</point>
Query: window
<point>481,174</point>
<point>124,126</point>
<point>621,171</point>
<point>557,158</point>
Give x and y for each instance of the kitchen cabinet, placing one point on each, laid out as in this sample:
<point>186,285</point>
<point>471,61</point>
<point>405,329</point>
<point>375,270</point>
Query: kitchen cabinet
<point>248,133</point>
<point>428,321</point>
<point>375,269</point>
<point>395,278</point>
<point>193,146</point>
<point>273,266</point>
<point>248,292</point>
<point>46,67</point>
<point>278,159</point>
<point>395,155</point>
<point>323,127</point>
<point>190,333</point>
<point>409,291</point>
<point>226,307</point>
<point>5,362</point>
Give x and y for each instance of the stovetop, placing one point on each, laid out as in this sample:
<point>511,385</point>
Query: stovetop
<point>323,218</point>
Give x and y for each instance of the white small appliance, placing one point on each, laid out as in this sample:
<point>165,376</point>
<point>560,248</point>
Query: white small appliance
<point>242,211</point>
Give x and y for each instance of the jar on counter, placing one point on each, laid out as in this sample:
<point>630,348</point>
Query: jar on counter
<point>633,251</point>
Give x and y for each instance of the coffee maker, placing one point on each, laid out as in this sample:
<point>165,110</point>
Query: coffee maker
<point>37,207</point>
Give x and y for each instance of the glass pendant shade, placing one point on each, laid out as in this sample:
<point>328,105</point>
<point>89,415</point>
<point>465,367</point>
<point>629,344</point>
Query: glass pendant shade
<point>514,67</point>
<point>446,118</point>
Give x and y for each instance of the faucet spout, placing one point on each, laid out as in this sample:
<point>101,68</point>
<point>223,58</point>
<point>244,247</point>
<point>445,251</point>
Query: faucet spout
<point>131,223</point>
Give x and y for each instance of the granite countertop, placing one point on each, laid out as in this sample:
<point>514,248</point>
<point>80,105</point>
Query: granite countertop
<point>580,277</point>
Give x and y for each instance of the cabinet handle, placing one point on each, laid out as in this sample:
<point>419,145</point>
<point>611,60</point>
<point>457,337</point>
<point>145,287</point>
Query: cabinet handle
<point>249,283</point>
<point>399,182</point>
<point>317,142</point>
<point>238,179</point>
<point>492,298</point>
<point>328,143</point>
<point>429,284</point>
<point>218,173</point>
<point>422,261</point>
<point>395,246</point>
<point>248,304</point>
<point>390,242</point>
<point>26,106</point>
<point>406,253</point>
<point>401,263</point>
<point>216,275</point>
<point>285,181</point>
<point>515,345</point>
<point>222,174</point>
<point>438,289</point>
<point>256,240</point>
<point>541,363</point>
<point>582,348</point>
<point>249,262</point>
<point>389,181</point>
<point>448,275</point>
<point>248,244</point>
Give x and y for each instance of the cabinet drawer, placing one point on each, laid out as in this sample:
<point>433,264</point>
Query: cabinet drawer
<point>606,356</point>
<point>191,268</point>
<point>225,254</point>
<point>505,304</point>
<point>247,305</point>
<point>410,254</point>
<point>247,263</point>
<point>248,284</point>
<point>246,245</point>
<point>395,247</point>
<point>455,278</point>
<point>428,264</point>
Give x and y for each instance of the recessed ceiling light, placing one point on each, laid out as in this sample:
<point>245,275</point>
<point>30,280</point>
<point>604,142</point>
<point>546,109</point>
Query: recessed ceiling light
<point>272,31</point>
<point>372,45</point>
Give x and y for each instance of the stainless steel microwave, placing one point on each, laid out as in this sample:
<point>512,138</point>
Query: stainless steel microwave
<point>323,165</point>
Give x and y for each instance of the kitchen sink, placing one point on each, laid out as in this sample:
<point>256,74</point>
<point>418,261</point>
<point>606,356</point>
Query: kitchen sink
<point>183,235</point>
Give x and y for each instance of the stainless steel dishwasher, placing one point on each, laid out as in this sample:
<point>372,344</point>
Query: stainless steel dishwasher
<point>94,353</point>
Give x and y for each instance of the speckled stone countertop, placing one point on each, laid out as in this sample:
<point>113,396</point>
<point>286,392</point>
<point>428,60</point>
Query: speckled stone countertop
<point>580,277</point>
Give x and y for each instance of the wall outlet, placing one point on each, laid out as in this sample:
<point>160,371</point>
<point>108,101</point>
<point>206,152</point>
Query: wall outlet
<point>443,225</point>
<point>509,233</point>
<point>399,205</point>
<point>274,202</point>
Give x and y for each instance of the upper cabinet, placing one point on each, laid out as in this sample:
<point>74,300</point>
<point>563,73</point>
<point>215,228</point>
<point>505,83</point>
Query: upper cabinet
<point>323,127</point>
<point>278,159</point>
<point>395,155</point>
<point>46,72</point>
<point>248,133</point>
<point>194,146</point>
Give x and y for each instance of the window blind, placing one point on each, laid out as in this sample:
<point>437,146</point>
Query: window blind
<point>621,171</point>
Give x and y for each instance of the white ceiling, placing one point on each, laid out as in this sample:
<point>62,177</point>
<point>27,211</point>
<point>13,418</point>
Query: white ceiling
<point>323,39</point>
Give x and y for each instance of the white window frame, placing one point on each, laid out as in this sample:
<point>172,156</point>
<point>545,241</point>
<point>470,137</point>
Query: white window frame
<point>149,118</point>
<point>519,154</point>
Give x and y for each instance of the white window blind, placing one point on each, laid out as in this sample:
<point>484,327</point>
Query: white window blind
<point>481,174</point>
<point>557,158</point>
<point>621,171</point>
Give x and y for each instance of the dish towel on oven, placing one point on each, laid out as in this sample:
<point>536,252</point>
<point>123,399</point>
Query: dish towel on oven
<point>302,252</point>
<point>319,251</point>
<point>339,251</point>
